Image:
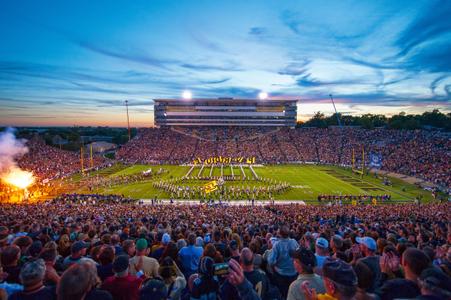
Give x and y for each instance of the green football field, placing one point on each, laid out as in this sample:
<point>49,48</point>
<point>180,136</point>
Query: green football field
<point>306,181</point>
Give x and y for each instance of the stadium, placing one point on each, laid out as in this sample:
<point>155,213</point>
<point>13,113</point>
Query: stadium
<point>225,150</point>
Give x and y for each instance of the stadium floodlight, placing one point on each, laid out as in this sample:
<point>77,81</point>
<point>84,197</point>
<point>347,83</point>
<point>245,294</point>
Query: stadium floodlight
<point>263,95</point>
<point>187,95</point>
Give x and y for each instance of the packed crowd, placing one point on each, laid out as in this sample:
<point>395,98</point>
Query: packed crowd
<point>49,162</point>
<point>419,153</point>
<point>128,251</point>
<point>91,199</point>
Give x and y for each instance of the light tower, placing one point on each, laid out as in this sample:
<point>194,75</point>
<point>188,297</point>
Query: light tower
<point>128,121</point>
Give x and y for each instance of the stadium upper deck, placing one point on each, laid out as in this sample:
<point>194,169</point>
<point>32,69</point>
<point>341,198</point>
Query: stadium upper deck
<point>225,112</point>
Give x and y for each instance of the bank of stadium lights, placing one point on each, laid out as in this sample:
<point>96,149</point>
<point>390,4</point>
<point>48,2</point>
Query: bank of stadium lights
<point>187,95</point>
<point>263,95</point>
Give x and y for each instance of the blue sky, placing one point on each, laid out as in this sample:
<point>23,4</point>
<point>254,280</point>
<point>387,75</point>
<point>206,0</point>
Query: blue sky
<point>75,62</point>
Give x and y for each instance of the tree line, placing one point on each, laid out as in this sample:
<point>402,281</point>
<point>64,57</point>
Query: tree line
<point>428,119</point>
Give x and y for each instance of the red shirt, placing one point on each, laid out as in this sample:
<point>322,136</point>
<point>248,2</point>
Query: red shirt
<point>123,288</point>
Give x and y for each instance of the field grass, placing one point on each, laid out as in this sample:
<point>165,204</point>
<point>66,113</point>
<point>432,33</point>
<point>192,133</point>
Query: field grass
<point>307,181</point>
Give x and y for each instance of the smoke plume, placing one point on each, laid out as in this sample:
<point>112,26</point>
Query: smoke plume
<point>10,150</point>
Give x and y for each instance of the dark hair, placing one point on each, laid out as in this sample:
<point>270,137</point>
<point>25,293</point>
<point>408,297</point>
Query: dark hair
<point>365,275</point>
<point>48,254</point>
<point>191,239</point>
<point>284,231</point>
<point>106,255</point>
<point>9,255</point>
<point>416,259</point>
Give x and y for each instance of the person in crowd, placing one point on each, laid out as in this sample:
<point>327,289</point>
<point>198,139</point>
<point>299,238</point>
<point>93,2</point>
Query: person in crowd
<point>304,262</point>
<point>78,253</point>
<point>204,284</point>
<point>122,285</point>
<point>280,260</point>
<point>414,261</point>
<point>78,282</point>
<point>154,289</point>
<point>149,264</point>
<point>336,244</point>
<point>106,258</point>
<point>321,252</point>
<point>32,278</point>
<point>340,282</point>
<point>51,275</point>
<point>368,249</point>
<point>434,284</point>
<point>9,258</point>
<point>173,278</point>
<point>365,278</point>
<point>190,256</point>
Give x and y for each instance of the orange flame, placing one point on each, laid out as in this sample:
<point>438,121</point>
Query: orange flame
<point>19,178</point>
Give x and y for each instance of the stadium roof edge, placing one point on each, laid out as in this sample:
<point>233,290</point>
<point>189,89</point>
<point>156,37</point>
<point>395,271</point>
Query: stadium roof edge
<point>224,99</point>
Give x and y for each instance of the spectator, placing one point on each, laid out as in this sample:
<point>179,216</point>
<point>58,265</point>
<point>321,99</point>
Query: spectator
<point>205,284</point>
<point>51,275</point>
<point>173,279</point>
<point>190,256</point>
<point>340,281</point>
<point>279,259</point>
<point>78,251</point>
<point>32,277</point>
<point>434,284</point>
<point>368,248</point>
<point>79,281</point>
<point>149,264</point>
<point>414,261</point>
<point>106,258</point>
<point>122,285</point>
<point>10,262</point>
<point>321,251</point>
<point>304,262</point>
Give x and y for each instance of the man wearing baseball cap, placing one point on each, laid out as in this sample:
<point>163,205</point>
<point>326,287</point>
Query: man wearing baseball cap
<point>368,248</point>
<point>78,251</point>
<point>340,282</point>
<point>435,284</point>
<point>149,264</point>
<point>321,251</point>
<point>304,261</point>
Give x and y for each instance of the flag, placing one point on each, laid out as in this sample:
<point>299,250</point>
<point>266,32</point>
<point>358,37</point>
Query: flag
<point>375,160</point>
<point>211,186</point>
<point>354,202</point>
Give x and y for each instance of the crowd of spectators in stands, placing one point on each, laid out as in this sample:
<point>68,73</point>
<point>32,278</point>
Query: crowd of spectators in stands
<point>113,250</point>
<point>47,162</point>
<point>419,153</point>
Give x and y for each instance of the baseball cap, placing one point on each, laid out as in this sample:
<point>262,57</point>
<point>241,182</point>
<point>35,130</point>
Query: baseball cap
<point>436,279</point>
<point>78,246</point>
<point>141,244</point>
<point>306,256</point>
<point>166,238</point>
<point>206,266</point>
<point>339,272</point>
<point>233,245</point>
<point>120,264</point>
<point>153,289</point>
<point>322,242</point>
<point>369,242</point>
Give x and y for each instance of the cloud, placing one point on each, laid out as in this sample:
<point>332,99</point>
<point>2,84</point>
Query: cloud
<point>291,19</point>
<point>295,68</point>
<point>258,31</point>
<point>426,42</point>
<point>435,82</point>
